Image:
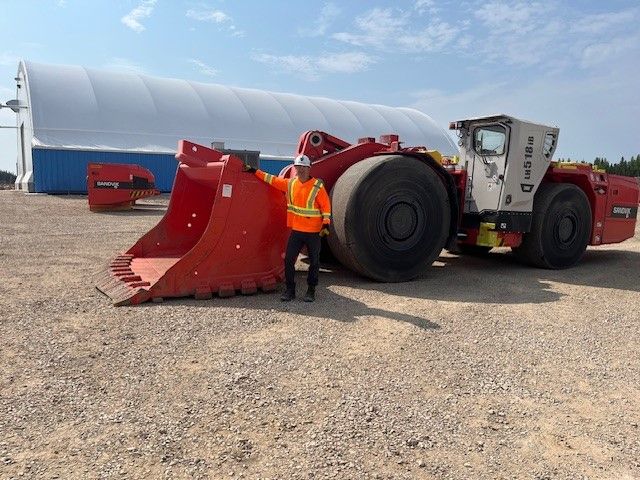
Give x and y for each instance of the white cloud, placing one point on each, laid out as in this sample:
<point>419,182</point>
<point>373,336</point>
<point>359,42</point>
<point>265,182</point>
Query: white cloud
<point>598,53</point>
<point>301,65</point>
<point>376,28</point>
<point>61,3</point>
<point>525,50</point>
<point>123,65</point>
<point>391,30</point>
<point>313,67</point>
<point>542,33</point>
<point>518,34</point>
<point>603,22</point>
<point>423,6</point>
<point>435,37</point>
<point>501,16</point>
<point>235,32</point>
<point>208,15</point>
<point>320,25</point>
<point>203,67</point>
<point>348,62</point>
<point>217,17</point>
<point>143,10</point>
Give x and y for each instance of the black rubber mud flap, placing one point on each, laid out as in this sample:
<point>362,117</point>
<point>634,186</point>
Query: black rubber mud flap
<point>391,216</point>
<point>561,227</point>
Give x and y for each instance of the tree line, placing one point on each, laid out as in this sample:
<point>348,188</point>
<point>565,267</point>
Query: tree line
<point>628,168</point>
<point>7,178</point>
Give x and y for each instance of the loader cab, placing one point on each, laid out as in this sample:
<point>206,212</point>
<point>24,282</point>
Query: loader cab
<point>505,160</point>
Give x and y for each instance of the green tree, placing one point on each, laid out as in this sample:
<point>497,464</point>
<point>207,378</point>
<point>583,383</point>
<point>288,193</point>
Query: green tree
<point>629,168</point>
<point>7,178</point>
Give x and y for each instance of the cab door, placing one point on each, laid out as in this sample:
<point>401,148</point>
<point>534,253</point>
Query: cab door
<point>489,152</point>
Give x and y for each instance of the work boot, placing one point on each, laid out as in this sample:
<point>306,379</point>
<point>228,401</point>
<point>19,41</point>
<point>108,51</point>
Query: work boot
<point>310,296</point>
<point>288,295</point>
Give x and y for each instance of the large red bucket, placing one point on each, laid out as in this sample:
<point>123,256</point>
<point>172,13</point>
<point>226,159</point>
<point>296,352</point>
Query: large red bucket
<point>224,232</point>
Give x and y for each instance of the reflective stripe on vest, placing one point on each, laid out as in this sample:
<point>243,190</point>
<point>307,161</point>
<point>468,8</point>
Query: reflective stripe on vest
<point>290,191</point>
<point>268,178</point>
<point>304,212</point>
<point>313,193</point>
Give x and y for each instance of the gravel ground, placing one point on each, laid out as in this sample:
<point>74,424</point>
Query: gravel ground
<point>480,369</point>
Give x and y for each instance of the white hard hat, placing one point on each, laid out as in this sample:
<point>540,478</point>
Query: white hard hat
<point>302,161</point>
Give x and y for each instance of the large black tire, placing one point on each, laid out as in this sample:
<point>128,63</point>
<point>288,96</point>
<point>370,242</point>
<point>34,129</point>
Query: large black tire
<point>560,229</point>
<point>391,217</point>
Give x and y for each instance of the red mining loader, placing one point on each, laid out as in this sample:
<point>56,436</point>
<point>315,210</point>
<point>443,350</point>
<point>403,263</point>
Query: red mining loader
<point>394,209</point>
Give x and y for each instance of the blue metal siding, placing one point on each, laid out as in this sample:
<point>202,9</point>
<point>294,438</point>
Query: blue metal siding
<point>65,171</point>
<point>273,166</point>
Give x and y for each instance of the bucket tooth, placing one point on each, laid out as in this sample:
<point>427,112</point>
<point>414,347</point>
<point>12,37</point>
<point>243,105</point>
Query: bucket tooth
<point>131,278</point>
<point>119,292</point>
<point>248,287</point>
<point>227,290</point>
<point>203,293</point>
<point>268,284</point>
<point>123,273</point>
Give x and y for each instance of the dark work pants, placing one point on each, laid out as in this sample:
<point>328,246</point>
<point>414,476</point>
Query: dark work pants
<point>295,244</point>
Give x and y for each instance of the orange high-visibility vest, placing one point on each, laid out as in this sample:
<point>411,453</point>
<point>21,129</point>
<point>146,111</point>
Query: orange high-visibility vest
<point>308,205</point>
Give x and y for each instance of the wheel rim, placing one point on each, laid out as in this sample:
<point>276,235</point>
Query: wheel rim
<point>401,223</point>
<point>566,229</point>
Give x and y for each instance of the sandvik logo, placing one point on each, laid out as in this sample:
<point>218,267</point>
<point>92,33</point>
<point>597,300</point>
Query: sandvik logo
<point>624,212</point>
<point>101,184</point>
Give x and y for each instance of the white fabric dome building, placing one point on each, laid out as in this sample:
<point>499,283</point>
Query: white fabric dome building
<point>75,115</point>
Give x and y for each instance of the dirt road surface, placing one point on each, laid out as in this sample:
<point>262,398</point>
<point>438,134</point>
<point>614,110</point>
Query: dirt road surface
<point>480,369</point>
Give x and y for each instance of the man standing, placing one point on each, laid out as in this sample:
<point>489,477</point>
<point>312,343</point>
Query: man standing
<point>308,216</point>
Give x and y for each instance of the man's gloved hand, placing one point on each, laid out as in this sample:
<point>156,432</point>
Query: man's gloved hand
<point>248,168</point>
<point>325,230</point>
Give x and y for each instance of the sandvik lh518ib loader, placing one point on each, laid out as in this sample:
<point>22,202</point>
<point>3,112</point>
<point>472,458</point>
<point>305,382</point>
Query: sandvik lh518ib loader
<point>394,209</point>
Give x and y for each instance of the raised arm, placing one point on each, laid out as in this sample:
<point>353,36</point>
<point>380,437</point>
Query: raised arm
<point>274,181</point>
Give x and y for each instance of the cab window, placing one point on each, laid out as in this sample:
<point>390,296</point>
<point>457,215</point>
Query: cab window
<point>489,140</point>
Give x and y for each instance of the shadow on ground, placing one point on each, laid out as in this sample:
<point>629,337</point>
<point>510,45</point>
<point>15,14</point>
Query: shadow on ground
<point>498,277</point>
<point>329,305</point>
<point>493,278</point>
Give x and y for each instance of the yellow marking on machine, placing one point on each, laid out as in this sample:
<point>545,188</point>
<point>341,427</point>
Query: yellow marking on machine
<point>487,236</point>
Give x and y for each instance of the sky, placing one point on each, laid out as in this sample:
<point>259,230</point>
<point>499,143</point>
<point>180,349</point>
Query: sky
<point>573,64</point>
